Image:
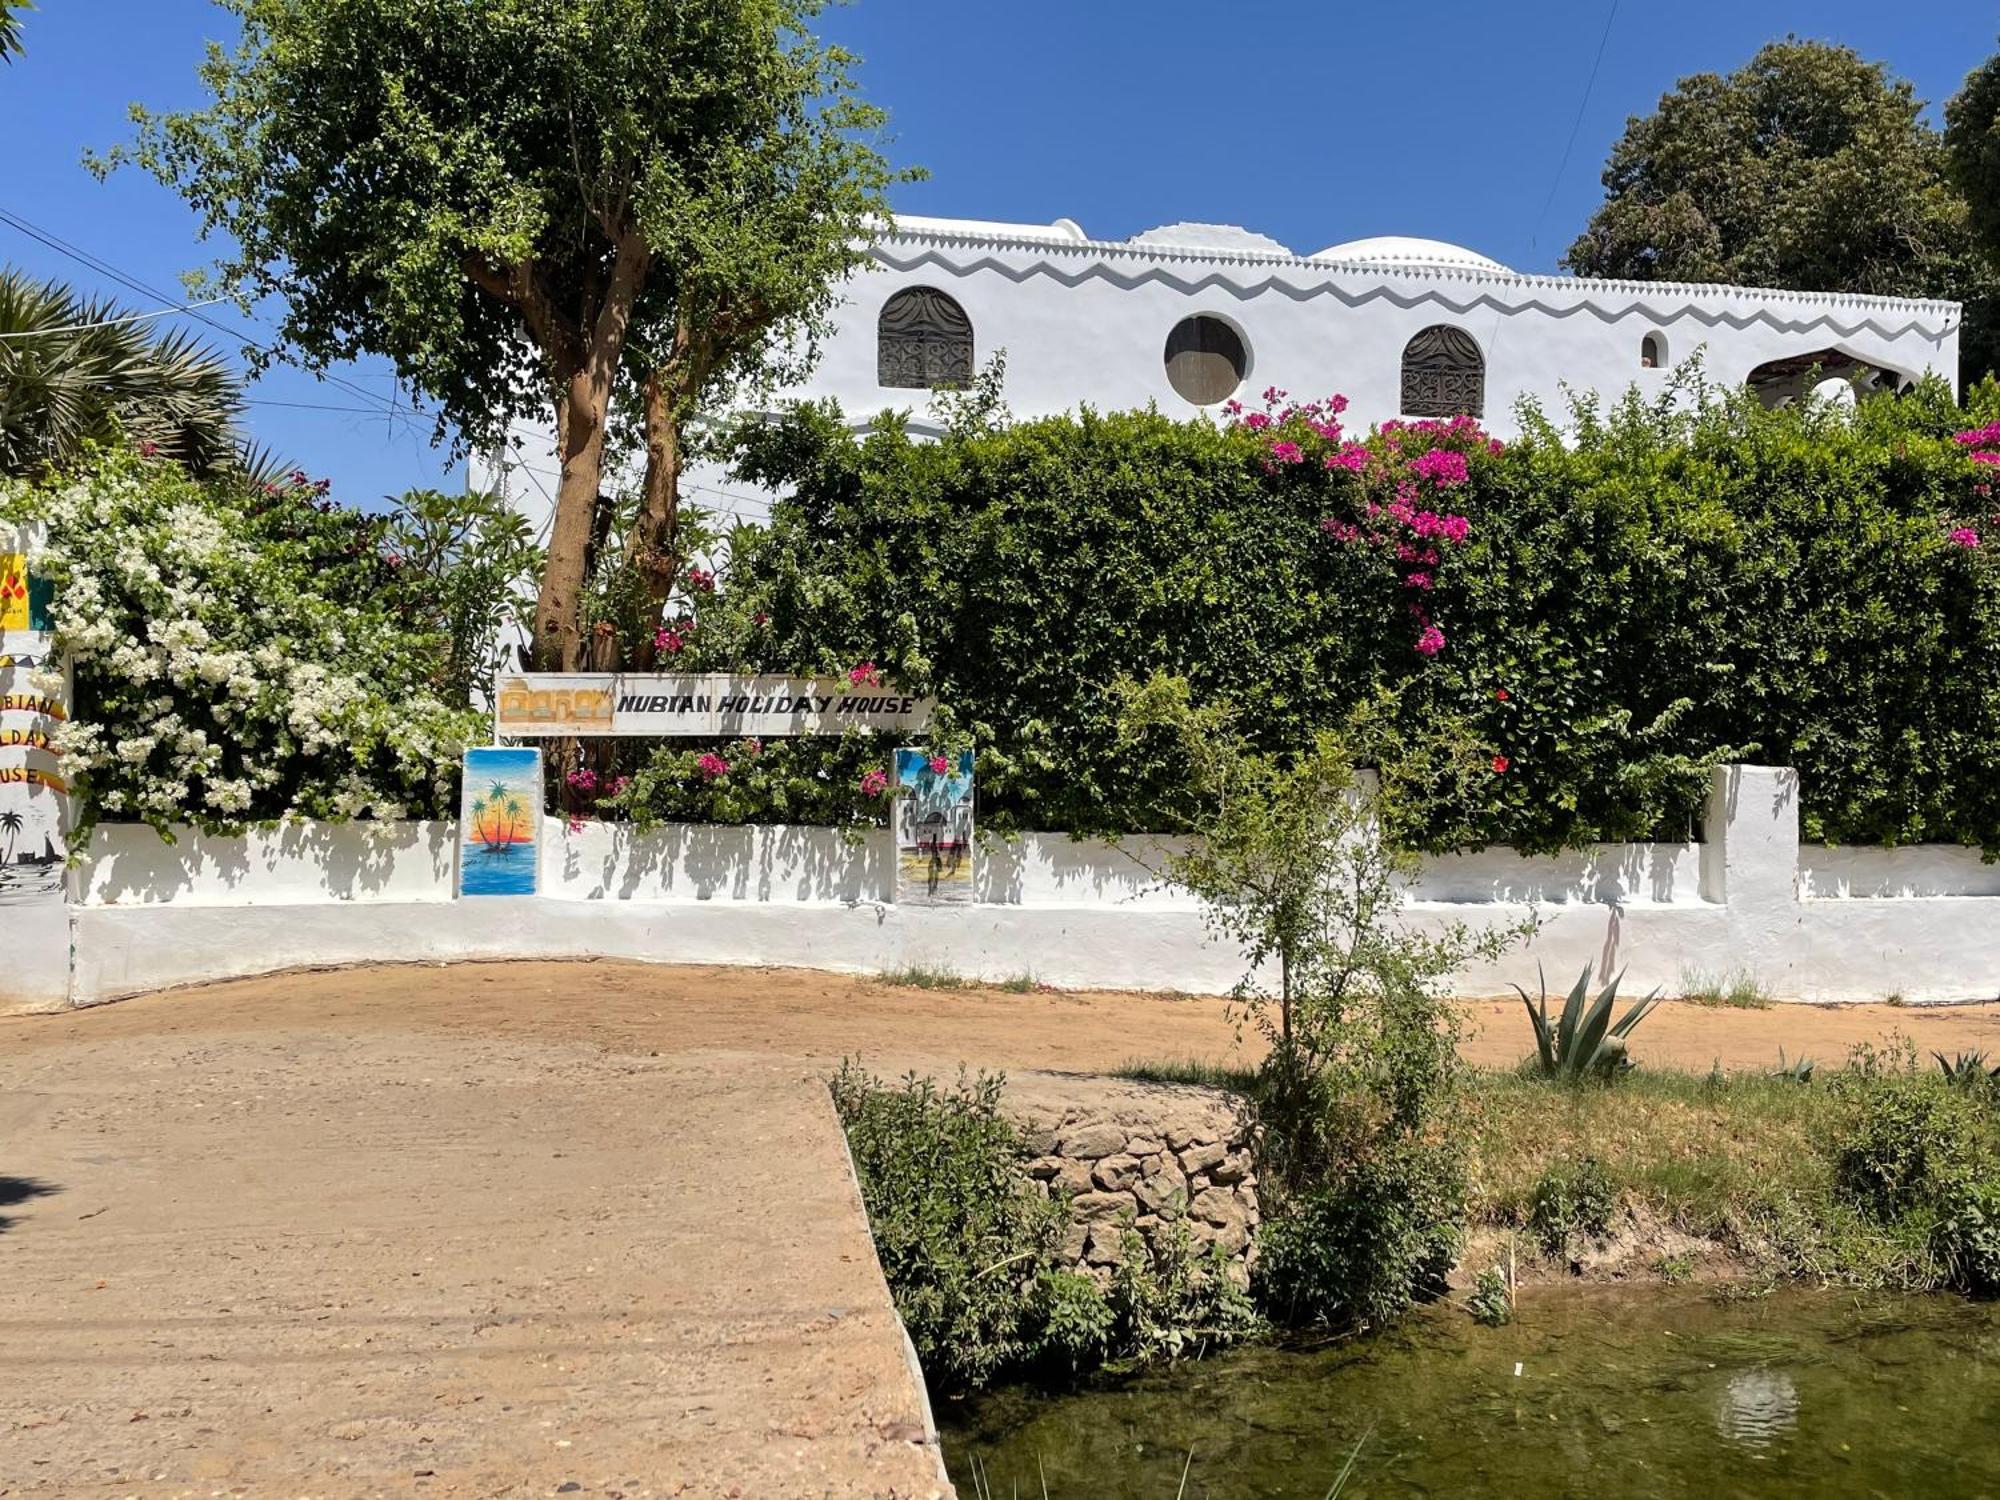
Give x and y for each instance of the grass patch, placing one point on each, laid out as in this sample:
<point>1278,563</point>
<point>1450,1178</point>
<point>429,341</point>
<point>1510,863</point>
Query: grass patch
<point>1190,1070</point>
<point>926,977</point>
<point>1737,991</point>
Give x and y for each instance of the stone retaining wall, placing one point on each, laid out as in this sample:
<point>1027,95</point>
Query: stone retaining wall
<point>1140,1156</point>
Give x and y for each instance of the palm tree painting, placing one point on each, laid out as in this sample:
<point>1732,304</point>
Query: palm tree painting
<point>11,824</point>
<point>498,851</point>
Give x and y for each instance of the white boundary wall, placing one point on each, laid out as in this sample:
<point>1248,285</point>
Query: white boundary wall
<point>1809,924</point>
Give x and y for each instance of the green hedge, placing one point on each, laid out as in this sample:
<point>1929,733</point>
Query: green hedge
<point>1666,587</point>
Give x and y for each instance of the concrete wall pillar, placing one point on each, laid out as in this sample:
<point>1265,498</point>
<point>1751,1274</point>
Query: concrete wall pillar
<point>1750,864</point>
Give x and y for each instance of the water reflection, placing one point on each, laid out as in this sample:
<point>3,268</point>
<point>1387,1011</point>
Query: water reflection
<point>1758,1407</point>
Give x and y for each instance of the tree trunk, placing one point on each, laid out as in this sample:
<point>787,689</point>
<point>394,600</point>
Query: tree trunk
<point>585,402</point>
<point>558,641</point>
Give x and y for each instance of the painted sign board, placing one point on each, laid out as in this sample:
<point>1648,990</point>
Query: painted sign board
<point>933,828</point>
<point>714,705</point>
<point>34,702</point>
<point>500,822</point>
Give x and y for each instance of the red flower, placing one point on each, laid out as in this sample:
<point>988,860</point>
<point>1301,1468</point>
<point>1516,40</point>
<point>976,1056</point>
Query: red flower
<point>1501,694</point>
<point>1500,763</point>
<point>939,765</point>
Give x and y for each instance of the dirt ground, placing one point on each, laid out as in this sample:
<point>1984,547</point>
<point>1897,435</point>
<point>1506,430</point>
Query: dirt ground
<point>510,1229</point>
<point>818,1018</point>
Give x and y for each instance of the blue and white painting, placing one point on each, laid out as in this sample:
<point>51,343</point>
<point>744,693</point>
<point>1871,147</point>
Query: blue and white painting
<point>500,821</point>
<point>933,827</point>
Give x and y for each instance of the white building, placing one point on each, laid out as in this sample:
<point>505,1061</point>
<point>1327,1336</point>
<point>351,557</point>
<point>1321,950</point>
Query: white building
<point>1187,316</point>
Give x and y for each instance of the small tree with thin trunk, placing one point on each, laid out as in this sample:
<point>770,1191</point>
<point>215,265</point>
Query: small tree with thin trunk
<point>538,205</point>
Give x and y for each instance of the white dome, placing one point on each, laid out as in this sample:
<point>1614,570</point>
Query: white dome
<point>1406,250</point>
<point>1210,237</point>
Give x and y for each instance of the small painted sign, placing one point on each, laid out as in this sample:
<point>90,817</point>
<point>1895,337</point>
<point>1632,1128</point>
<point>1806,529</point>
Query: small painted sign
<point>34,695</point>
<point>933,823</point>
<point>500,822</point>
<point>711,705</point>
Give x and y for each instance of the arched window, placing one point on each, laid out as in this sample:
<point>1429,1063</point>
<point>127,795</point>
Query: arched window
<point>1653,352</point>
<point>1444,374</point>
<point>1206,360</point>
<point>923,340</point>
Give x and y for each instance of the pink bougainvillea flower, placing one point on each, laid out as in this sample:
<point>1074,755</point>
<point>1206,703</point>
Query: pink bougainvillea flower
<point>1430,642</point>
<point>874,783</point>
<point>618,785</point>
<point>1417,581</point>
<point>939,765</point>
<point>666,638</point>
<point>701,580</point>
<point>584,780</point>
<point>574,823</point>
<point>866,674</point>
<point>1288,453</point>
<point>1965,536</point>
<point>148,449</point>
<point>712,765</point>
<point>760,618</point>
<point>1442,466</point>
<point>1257,421</point>
<point>1501,763</point>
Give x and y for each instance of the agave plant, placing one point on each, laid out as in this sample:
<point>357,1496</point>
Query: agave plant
<point>1799,1069</point>
<point>1967,1069</point>
<point>1583,1042</point>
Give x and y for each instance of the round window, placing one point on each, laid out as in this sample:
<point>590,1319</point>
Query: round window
<point>1206,360</point>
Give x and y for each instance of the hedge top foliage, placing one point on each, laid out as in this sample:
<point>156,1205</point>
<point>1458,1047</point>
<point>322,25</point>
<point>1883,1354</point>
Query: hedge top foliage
<point>1658,588</point>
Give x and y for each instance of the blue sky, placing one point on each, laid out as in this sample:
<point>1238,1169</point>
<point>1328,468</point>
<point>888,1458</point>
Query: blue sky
<point>1310,123</point>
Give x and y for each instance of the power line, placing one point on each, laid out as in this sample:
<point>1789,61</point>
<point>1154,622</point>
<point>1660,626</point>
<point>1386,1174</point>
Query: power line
<point>132,283</point>
<point>360,411</point>
<point>1576,127</point>
<point>164,312</point>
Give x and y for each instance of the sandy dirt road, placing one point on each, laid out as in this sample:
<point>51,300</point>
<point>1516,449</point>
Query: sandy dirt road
<point>361,1261</point>
<point>507,1229</point>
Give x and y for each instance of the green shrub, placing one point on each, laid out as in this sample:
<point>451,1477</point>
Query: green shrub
<point>1918,1157</point>
<point>1359,1248</point>
<point>1646,594</point>
<point>1169,1299</point>
<point>1571,1198</point>
<point>971,1249</point>
<point>1491,1300</point>
<point>966,1243</point>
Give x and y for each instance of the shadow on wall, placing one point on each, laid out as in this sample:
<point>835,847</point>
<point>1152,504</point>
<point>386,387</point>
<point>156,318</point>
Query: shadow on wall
<point>18,1190</point>
<point>292,862</point>
<point>1053,868</point>
<point>704,862</point>
<point>1610,875</point>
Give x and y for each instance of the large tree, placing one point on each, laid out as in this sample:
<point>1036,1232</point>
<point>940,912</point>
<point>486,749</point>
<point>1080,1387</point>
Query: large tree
<point>1972,135</point>
<point>1807,168</point>
<point>532,205</point>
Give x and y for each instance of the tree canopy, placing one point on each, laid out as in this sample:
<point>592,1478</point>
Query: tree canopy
<point>1972,135</point>
<point>1807,168</point>
<point>534,206</point>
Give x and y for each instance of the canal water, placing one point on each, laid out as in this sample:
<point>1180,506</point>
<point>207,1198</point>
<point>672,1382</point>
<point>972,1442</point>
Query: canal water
<point>1588,1393</point>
